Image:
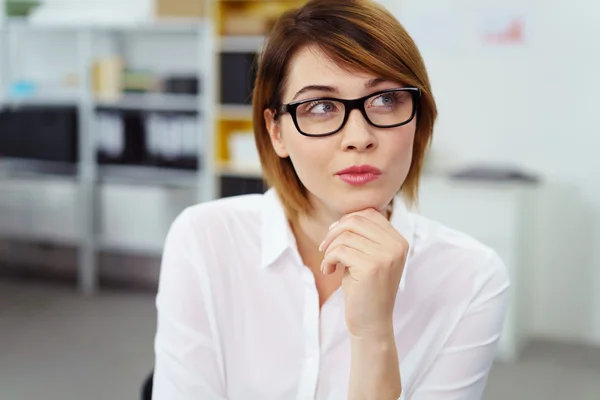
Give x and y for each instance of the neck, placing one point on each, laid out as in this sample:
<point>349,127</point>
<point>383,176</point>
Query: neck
<point>310,231</point>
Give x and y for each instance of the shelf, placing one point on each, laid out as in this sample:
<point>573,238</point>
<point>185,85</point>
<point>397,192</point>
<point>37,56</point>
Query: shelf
<point>241,44</point>
<point>145,101</point>
<point>239,171</point>
<point>36,169</point>
<point>166,26</point>
<point>235,112</point>
<point>152,102</point>
<point>42,99</point>
<point>147,175</point>
<point>142,175</point>
<point>118,247</point>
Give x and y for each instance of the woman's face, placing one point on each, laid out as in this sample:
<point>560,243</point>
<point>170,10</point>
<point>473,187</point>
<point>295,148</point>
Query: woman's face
<point>318,161</point>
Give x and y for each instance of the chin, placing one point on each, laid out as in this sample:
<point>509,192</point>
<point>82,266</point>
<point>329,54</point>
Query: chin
<point>353,202</point>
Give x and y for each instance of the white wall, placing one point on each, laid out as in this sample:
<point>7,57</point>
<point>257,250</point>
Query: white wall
<point>533,107</point>
<point>566,124</point>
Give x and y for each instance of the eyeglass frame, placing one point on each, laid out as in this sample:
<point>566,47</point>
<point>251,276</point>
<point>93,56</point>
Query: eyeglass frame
<point>349,106</point>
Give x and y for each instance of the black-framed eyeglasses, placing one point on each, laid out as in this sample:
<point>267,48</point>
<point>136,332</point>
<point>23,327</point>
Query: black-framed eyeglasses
<point>324,116</point>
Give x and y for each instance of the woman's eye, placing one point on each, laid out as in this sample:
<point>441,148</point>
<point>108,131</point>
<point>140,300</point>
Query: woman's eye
<point>321,107</point>
<point>384,100</point>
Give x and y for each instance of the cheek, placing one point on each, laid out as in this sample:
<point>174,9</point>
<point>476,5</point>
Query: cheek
<point>310,156</point>
<point>309,153</point>
<point>402,144</point>
<point>399,149</point>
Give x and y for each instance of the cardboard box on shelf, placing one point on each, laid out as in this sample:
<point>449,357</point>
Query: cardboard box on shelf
<point>187,9</point>
<point>241,24</point>
<point>107,77</point>
<point>251,18</point>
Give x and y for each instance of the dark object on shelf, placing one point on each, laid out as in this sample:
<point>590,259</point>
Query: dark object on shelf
<point>238,72</point>
<point>142,138</point>
<point>186,163</point>
<point>119,137</point>
<point>494,174</point>
<point>234,186</point>
<point>181,85</point>
<point>45,133</point>
<point>171,140</point>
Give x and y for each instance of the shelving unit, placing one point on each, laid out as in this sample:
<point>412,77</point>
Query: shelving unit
<point>98,207</point>
<point>126,207</point>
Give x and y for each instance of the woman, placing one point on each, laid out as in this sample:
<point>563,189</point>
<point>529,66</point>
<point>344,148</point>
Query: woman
<point>327,286</point>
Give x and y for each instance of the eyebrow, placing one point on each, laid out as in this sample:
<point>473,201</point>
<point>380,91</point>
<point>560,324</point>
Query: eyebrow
<point>371,83</point>
<point>317,88</point>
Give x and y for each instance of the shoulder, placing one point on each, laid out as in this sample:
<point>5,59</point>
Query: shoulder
<point>222,218</point>
<point>455,259</point>
<point>213,213</point>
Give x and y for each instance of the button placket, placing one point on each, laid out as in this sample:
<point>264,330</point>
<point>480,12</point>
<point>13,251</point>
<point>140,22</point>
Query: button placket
<point>312,351</point>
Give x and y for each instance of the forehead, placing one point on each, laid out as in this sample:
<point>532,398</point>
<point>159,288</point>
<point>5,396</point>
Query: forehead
<point>312,66</point>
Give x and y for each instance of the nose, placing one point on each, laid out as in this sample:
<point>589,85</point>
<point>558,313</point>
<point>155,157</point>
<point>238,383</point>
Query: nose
<point>357,135</point>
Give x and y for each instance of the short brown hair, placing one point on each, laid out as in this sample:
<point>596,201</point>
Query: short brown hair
<point>358,34</point>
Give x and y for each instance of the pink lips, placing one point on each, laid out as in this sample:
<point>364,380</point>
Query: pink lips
<point>359,175</point>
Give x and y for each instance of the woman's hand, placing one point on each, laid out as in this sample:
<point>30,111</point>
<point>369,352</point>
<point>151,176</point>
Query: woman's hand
<point>373,255</point>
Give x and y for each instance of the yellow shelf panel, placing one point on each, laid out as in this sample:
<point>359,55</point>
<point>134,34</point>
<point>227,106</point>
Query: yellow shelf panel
<point>225,129</point>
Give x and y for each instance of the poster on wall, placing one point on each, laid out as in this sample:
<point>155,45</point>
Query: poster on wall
<point>465,27</point>
<point>504,27</point>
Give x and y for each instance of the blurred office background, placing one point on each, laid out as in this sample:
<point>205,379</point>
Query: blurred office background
<point>117,114</point>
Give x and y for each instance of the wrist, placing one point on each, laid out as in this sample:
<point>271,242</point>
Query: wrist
<point>375,369</point>
<point>374,346</point>
<point>373,335</point>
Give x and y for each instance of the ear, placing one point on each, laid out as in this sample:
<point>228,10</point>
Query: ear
<point>275,134</point>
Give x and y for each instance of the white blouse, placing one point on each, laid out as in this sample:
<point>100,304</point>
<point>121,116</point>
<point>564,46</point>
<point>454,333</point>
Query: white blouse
<point>239,317</point>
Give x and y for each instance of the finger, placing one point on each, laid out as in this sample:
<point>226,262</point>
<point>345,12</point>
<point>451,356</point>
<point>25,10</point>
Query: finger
<point>346,257</point>
<point>377,218</point>
<point>357,225</point>
<point>369,213</point>
<point>352,240</point>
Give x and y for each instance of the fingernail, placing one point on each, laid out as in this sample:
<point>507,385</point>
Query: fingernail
<point>323,267</point>
<point>333,225</point>
<point>321,247</point>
